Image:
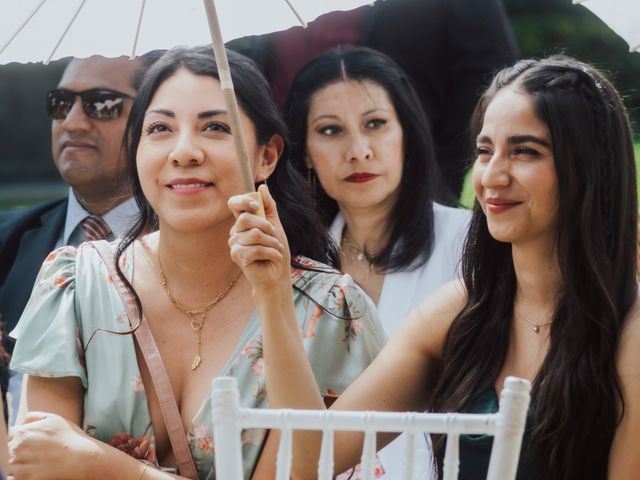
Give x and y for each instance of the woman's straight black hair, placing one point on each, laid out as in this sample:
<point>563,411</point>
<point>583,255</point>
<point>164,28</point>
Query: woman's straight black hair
<point>410,223</point>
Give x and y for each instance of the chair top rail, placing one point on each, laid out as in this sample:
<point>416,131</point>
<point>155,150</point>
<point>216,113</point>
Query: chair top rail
<point>439,423</point>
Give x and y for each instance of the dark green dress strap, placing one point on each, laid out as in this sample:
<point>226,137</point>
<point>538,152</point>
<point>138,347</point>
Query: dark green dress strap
<point>475,450</point>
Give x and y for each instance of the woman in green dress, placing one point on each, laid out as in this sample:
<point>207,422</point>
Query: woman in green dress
<point>90,395</point>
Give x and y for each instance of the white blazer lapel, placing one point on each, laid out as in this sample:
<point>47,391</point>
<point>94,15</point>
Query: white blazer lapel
<point>398,290</point>
<point>397,298</point>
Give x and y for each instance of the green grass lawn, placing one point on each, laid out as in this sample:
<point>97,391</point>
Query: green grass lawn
<point>467,197</point>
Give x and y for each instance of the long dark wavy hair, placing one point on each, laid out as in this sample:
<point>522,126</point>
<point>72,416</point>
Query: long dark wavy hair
<point>410,222</point>
<point>577,393</point>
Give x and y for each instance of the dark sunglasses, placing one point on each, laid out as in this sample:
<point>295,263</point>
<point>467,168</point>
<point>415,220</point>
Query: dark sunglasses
<point>97,103</point>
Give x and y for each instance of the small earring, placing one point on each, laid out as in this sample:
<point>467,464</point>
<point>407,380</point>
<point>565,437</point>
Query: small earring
<point>261,182</point>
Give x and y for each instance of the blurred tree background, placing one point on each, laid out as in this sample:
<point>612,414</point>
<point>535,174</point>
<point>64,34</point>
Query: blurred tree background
<point>27,173</point>
<point>542,27</point>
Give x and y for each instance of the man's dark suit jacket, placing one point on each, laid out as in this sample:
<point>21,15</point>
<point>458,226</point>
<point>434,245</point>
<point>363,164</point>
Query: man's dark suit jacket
<point>449,48</point>
<point>26,238</point>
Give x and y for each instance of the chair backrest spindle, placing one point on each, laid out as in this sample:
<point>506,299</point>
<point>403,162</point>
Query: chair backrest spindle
<point>226,408</point>
<point>283,460</point>
<point>409,472</point>
<point>367,461</point>
<point>512,417</point>
<point>451,464</point>
<point>325,464</point>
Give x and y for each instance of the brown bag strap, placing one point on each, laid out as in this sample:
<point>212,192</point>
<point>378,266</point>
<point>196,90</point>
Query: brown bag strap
<point>159,376</point>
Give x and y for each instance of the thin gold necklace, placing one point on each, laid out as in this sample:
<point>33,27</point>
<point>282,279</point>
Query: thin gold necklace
<point>356,253</point>
<point>536,326</point>
<point>196,324</point>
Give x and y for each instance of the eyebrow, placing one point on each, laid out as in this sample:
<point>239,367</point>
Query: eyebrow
<point>364,114</point>
<point>166,113</point>
<point>515,139</point>
<point>211,113</point>
<point>324,116</point>
<point>201,115</point>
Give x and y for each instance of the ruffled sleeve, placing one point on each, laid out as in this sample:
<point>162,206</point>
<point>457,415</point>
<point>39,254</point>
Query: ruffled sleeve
<point>48,333</point>
<point>341,330</point>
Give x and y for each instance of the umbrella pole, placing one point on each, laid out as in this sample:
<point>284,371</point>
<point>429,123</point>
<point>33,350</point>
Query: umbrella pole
<point>229,96</point>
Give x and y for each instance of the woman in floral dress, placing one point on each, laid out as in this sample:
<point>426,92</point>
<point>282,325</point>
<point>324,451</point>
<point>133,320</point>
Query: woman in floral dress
<point>97,413</point>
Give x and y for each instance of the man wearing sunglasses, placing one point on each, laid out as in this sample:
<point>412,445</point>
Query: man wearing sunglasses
<point>89,110</point>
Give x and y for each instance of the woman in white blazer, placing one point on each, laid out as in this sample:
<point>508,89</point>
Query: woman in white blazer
<point>363,141</point>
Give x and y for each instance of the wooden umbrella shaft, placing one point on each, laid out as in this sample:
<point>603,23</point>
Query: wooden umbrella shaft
<point>229,95</point>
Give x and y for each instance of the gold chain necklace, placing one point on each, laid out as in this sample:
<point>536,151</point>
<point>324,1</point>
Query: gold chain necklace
<point>356,253</point>
<point>196,324</point>
<point>536,326</point>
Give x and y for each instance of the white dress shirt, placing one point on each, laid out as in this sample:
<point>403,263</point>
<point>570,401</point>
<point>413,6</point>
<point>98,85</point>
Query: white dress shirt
<point>119,219</point>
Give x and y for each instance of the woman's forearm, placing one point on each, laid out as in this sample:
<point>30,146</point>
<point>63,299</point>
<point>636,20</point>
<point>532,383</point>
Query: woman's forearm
<point>109,463</point>
<point>289,378</point>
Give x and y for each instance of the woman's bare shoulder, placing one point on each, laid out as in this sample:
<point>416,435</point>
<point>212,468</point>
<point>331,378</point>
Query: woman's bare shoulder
<point>430,321</point>
<point>446,302</point>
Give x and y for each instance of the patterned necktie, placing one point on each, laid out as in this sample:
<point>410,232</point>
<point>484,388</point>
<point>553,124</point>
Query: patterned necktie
<point>95,228</point>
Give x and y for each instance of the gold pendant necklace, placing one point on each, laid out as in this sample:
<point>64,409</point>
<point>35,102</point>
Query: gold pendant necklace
<point>536,326</point>
<point>353,251</point>
<point>196,324</point>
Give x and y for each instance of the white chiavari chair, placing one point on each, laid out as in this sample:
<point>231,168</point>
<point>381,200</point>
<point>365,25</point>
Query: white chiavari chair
<point>506,426</point>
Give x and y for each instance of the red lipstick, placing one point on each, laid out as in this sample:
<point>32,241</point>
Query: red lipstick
<point>361,177</point>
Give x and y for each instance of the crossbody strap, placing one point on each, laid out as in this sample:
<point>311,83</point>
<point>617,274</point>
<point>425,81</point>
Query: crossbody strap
<point>159,376</point>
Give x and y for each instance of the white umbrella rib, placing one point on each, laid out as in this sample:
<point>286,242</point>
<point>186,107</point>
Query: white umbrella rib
<point>135,40</point>
<point>230,99</point>
<point>22,25</point>
<point>66,30</point>
<point>295,12</point>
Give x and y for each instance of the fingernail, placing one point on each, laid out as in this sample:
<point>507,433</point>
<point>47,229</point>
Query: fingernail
<point>255,205</point>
